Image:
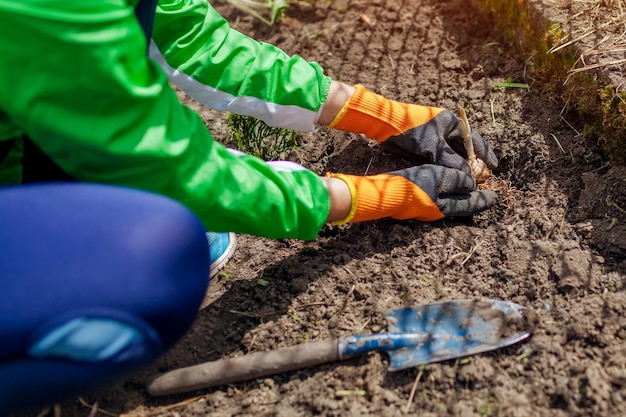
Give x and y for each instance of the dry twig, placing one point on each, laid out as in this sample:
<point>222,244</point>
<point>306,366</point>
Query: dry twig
<point>413,389</point>
<point>95,407</point>
<point>471,252</point>
<point>162,409</point>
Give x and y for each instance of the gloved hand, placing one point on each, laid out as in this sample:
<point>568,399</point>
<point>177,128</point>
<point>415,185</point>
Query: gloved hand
<point>425,192</point>
<point>424,131</point>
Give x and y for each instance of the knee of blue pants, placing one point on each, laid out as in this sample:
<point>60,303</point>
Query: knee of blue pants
<point>80,246</point>
<point>85,251</point>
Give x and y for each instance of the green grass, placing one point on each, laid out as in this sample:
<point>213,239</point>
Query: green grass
<point>267,11</point>
<point>255,137</point>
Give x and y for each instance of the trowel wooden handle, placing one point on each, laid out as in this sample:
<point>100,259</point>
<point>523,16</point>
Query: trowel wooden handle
<point>239,369</point>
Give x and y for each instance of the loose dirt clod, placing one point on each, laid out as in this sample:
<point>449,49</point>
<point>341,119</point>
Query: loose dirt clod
<point>365,19</point>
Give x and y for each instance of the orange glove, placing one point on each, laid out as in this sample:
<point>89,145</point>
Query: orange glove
<point>421,130</point>
<point>426,192</point>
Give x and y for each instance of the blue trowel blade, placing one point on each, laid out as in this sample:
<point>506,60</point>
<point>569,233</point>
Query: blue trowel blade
<point>455,329</point>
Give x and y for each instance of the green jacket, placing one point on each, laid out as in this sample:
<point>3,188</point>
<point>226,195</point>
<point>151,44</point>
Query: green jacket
<point>74,77</point>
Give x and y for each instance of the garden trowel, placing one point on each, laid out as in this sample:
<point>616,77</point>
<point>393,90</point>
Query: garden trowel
<point>416,335</point>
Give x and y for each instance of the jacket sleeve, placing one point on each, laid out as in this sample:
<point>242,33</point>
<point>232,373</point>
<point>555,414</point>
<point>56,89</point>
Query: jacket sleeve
<point>226,70</point>
<point>81,87</point>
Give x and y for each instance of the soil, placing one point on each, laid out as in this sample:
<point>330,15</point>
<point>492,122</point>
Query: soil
<point>555,244</point>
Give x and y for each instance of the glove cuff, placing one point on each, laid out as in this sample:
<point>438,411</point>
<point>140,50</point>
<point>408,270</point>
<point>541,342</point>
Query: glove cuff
<point>353,194</point>
<point>378,117</point>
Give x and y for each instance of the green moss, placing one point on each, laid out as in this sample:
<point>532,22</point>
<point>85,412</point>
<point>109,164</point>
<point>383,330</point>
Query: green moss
<point>613,120</point>
<point>600,107</point>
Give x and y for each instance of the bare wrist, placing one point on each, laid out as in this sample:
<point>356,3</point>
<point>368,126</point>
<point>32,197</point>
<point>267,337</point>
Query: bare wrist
<point>338,95</point>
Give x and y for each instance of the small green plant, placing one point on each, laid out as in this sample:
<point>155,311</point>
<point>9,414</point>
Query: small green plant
<point>436,288</point>
<point>611,203</point>
<point>267,11</point>
<point>226,275</point>
<point>294,316</point>
<point>442,407</point>
<point>485,410</point>
<point>255,137</point>
<point>509,84</point>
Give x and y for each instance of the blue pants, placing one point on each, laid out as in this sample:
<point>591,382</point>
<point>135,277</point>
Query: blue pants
<point>96,282</point>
